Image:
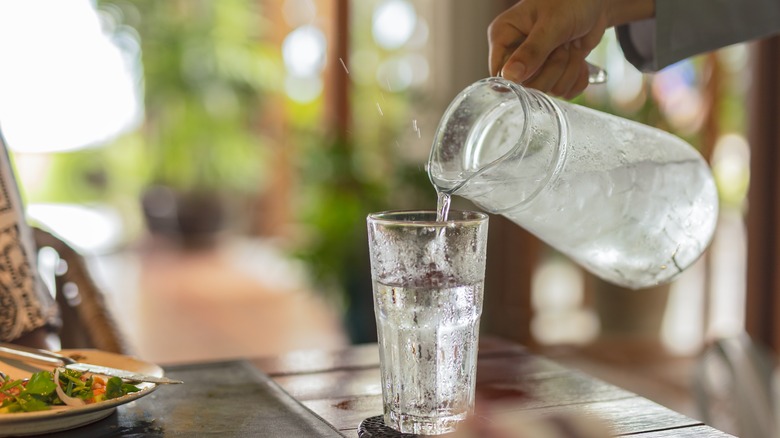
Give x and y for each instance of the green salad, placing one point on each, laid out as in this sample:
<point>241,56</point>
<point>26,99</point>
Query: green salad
<point>42,391</point>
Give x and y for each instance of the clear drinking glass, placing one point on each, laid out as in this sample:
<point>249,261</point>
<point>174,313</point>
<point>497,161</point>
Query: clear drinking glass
<point>633,204</point>
<point>428,279</point>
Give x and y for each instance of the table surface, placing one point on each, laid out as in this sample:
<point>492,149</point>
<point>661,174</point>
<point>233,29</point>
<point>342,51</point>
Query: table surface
<point>269,397</point>
<point>343,388</point>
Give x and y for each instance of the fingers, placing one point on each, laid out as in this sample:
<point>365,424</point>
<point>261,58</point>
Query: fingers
<point>570,81</point>
<point>543,44</point>
<point>531,54</point>
<point>556,67</point>
<point>580,84</point>
<point>494,60</point>
<point>504,36</point>
<point>521,38</point>
<point>567,80</point>
<point>498,54</point>
<point>564,74</point>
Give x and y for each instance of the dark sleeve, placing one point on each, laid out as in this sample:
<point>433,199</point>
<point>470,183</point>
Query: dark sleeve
<point>684,28</point>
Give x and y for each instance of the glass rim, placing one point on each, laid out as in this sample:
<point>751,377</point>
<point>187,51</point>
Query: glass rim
<point>394,217</point>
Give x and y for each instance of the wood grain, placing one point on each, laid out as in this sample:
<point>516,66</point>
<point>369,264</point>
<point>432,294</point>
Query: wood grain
<point>344,388</point>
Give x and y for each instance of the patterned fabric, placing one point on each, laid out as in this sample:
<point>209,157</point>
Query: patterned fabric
<point>25,303</point>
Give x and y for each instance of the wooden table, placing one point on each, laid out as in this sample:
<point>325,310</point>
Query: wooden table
<point>269,397</point>
<point>344,388</point>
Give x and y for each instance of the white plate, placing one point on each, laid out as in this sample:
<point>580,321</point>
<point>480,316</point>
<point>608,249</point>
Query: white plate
<point>66,417</point>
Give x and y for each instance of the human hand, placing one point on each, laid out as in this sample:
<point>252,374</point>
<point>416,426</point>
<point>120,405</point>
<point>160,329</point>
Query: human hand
<point>543,43</point>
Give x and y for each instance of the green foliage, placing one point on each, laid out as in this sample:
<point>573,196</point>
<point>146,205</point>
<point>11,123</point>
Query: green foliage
<point>106,174</point>
<point>206,72</point>
<point>334,203</point>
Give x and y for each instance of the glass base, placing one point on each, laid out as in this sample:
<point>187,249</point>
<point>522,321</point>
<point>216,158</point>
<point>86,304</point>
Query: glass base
<point>423,425</point>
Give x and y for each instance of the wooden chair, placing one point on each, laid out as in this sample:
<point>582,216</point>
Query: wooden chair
<point>86,319</point>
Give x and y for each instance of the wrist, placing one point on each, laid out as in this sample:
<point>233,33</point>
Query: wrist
<point>626,11</point>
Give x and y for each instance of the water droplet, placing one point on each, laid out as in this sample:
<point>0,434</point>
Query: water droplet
<point>343,64</point>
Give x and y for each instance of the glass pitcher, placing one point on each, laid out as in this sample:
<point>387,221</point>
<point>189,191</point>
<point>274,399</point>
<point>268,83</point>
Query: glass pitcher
<point>632,204</point>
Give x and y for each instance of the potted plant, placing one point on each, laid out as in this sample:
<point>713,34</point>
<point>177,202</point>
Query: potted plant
<point>206,72</point>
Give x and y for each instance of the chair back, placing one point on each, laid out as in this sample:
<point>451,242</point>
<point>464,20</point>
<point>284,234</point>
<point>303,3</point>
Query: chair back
<point>86,319</point>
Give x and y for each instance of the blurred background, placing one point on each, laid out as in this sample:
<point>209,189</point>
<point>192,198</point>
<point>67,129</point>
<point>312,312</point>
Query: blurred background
<point>215,161</point>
